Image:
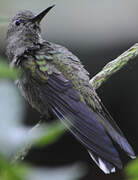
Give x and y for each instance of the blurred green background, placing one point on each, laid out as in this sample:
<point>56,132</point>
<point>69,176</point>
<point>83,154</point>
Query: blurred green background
<point>97,32</point>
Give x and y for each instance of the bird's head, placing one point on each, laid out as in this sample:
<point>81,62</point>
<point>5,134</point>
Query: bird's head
<point>24,31</point>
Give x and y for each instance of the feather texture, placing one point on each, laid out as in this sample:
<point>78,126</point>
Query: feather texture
<point>67,106</point>
<point>62,86</point>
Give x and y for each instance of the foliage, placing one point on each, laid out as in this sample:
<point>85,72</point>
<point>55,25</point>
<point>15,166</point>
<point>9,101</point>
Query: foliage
<point>52,134</point>
<point>132,170</point>
<point>5,71</point>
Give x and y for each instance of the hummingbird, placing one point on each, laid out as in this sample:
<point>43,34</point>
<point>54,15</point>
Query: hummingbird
<point>56,84</point>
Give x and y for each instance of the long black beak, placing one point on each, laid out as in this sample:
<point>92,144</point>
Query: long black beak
<point>40,16</point>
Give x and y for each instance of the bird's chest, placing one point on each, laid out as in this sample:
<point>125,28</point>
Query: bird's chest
<point>31,91</point>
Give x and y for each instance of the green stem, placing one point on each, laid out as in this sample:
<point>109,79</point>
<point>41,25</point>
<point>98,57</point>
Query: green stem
<point>114,66</point>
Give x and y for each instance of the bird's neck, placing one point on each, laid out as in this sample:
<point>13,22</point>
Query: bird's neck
<point>16,46</point>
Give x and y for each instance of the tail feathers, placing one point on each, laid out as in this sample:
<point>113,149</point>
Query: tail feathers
<point>105,166</point>
<point>114,131</point>
<point>125,146</point>
<point>120,140</point>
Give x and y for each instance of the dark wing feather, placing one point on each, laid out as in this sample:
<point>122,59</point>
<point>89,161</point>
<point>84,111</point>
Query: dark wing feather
<point>102,116</point>
<point>65,103</point>
<point>114,131</point>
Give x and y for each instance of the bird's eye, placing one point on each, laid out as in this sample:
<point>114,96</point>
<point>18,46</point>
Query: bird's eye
<point>17,22</point>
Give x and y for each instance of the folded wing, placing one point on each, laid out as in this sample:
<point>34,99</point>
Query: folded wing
<point>66,104</point>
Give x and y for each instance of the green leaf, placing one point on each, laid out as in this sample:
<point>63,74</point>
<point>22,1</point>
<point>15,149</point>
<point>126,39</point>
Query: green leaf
<point>6,72</point>
<point>53,133</point>
<point>11,115</point>
<point>131,170</point>
<point>12,171</point>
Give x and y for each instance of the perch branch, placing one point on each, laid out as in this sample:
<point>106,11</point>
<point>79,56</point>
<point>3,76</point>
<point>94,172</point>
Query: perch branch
<point>20,155</point>
<point>114,66</point>
<point>111,68</point>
